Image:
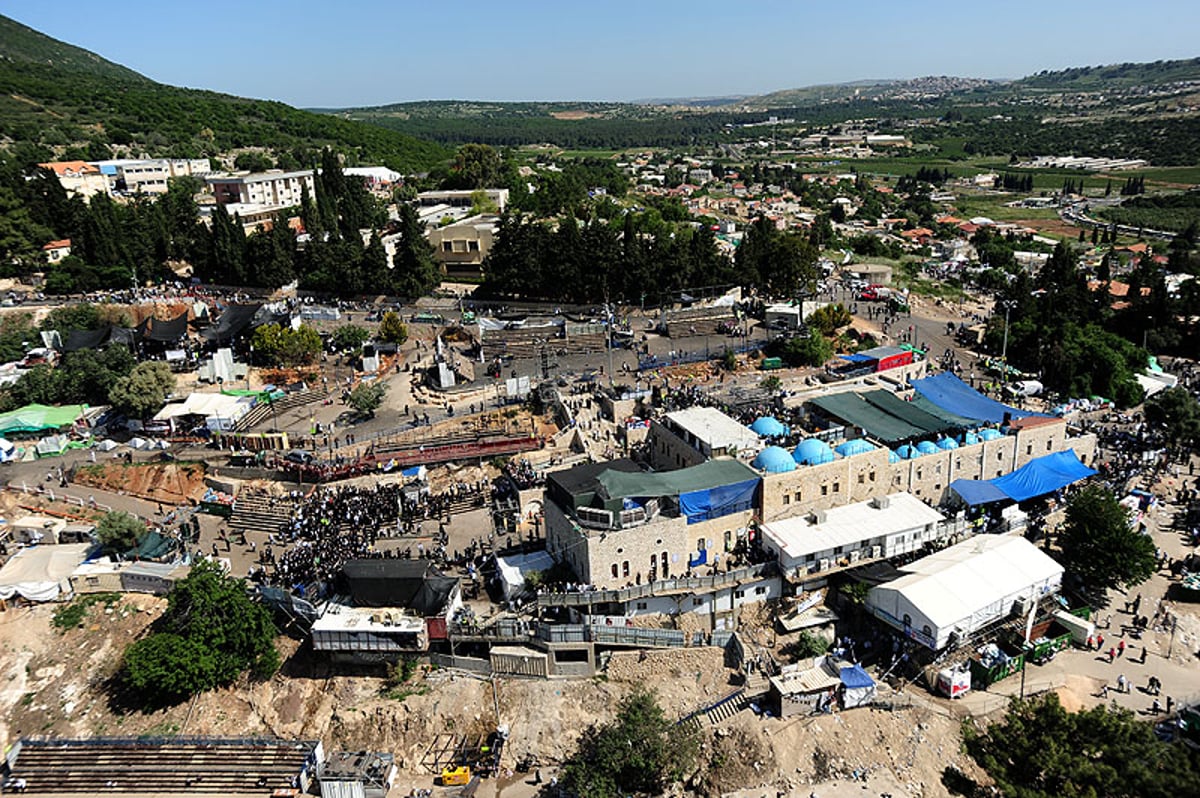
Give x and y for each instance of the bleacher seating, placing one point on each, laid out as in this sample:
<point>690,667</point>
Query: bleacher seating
<point>260,512</point>
<point>179,766</point>
<point>270,410</point>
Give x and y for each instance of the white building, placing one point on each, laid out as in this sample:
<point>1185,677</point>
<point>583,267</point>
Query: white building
<point>150,175</point>
<point>963,588</point>
<point>887,526</point>
<point>692,436</point>
<point>274,188</point>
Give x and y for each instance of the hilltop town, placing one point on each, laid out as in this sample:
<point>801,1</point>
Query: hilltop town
<point>814,456</point>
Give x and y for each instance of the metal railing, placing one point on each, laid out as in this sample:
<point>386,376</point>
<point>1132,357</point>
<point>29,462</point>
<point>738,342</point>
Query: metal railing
<point>661,587</point>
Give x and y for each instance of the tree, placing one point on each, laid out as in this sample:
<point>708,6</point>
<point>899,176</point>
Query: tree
<point>349,337</point>
<point>475,166</point>
<point>1098,544</point>
<point>1040,750</point>
<point>810,350</point>
<point>414,270</point>
<point>367,397</point>
<point>210,619</point>
<point>119,532</point>
<point>1179,412</point>
<point>144,390</point>
<point>641,752</point>
<point>391,329</point>
<point>829,318</point>
<point>283,346</point>
<point>74,316</point>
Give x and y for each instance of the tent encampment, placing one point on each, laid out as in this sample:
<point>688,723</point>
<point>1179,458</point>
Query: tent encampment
<point>40,573</point>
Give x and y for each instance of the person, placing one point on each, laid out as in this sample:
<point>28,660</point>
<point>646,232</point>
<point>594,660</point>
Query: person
<point>1143,659</point>
<point>1122,684</point>
<point>1170,703</point>
<point>1155,707</point>
<point>1112,655</point>
<point>1121,647</point>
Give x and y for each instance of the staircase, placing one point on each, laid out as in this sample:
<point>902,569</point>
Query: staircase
<point>719,712</point>
<point>264,410</point>
<point>260,512</point>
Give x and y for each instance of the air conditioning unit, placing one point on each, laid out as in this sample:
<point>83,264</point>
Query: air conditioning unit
<point>876,552</point>
<point>854,555</point>
<point>824,564</point>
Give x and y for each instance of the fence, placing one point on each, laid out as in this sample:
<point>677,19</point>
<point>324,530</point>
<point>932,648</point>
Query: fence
<point>472,664</point>
<point>48,493</point>
<point>693,584</point>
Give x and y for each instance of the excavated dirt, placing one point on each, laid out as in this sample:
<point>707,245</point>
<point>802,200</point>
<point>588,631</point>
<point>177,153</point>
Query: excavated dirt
<point>161,482</point>
<point>56,683</point>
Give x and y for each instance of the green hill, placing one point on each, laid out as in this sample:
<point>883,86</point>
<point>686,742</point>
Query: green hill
<point>22,44</point>
<point>71,103</point>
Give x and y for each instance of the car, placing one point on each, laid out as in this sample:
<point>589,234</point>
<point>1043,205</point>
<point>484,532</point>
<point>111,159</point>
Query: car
<point>299,457</point>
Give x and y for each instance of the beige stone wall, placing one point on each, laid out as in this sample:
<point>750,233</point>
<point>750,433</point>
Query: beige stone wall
<point>864,476</point>
<point>592,553</point>
<point>669,452</point>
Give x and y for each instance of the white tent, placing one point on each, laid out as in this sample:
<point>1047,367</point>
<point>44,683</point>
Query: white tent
<point>107,445</point>
<point>40,573</point>
<point>512,570</point>
<point>8,451</point>
<point>964,587</point>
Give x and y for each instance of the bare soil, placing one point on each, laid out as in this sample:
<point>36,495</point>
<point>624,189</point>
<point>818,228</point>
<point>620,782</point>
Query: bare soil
<point>170,483</point>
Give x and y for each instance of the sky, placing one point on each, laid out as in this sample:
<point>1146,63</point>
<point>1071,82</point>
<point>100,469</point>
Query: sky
<point>349,53</point>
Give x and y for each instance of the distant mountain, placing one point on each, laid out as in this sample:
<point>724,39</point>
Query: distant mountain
<point>58,100</point>
<point>1114,76</point>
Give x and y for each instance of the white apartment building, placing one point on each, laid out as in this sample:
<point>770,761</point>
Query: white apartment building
<point>274,188</point>
<point>150,175</point>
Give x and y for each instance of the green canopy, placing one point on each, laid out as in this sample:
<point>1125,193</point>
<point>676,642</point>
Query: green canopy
<point>712,474</point>
<point>39,418</point>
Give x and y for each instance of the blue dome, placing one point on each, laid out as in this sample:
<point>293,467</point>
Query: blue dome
<point>893,457</point>
<point>970,439</point>
<point>856,446</point>
<point>927,447</point>
<point>774,460</point>
<point>989,434</point>
<point>907,452</point>
<point>947,444</point>
<point>769,427</point>
<point>812,452</point>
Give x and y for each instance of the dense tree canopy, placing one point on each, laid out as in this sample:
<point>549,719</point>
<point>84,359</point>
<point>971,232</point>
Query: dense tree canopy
<point>1178,411</point>
<point>143,390</point>
<point>209,635</point>
<point>640,753</point>
<point>1040,750</point>
<point>1099,545</point>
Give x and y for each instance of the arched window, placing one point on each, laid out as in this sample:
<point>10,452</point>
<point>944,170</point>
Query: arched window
<point>614,570</point>
<point>625,568</point>
<point>666,565</point>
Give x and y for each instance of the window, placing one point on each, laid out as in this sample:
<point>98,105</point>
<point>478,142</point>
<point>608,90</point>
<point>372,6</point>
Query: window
<point>838,549</point>
<point>697,602</point>
<point>907,620</point>
<point>1049,446</point>
<point>928,632</point>
<point>473,246</point>
<point>653,562</point>
<point>641,605</point>
<point>1029,449</point>
<point>871,476</point>
<point>824,490</point>
<point>666,566</point>
<point>837,486</point>
<point>737,594</point>
<point>786,500</point>
<point>862,479</point>
<point>919,472</point>
<point>625,568</point>
<point>701,544</point>
<point>758,591</point>
<point>447,246</point>
<point>614,571</point>
<point>937,469</point>
<point>999,456</point>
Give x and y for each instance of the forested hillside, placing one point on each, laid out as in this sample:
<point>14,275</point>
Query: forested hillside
<point>69,103</point>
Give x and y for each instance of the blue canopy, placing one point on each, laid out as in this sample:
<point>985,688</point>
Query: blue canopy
<point>1036,478</point>
<point>854,677</point>
<point>952,394</point>
<point>856,358</point>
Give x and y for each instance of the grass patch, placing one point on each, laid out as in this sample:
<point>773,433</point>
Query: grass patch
<point>72,615</point>
<point>404,691</point>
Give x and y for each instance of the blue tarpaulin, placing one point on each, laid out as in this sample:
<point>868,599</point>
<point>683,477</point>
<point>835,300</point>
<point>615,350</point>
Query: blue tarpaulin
<point>1036,478</point>
<point>856,358</point>
<point>854,677</point>
<point>703,505</point>
<point>952,394</point>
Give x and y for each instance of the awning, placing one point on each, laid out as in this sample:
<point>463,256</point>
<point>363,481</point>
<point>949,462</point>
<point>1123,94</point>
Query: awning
<point>950,393</point>
<point>1037,478</point>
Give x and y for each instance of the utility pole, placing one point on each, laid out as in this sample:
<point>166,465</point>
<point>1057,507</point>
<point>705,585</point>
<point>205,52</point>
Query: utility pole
<point>1008,305</point>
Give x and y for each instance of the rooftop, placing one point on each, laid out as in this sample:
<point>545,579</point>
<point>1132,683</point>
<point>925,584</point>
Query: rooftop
<point>842,526</point>
<point>711,426</point>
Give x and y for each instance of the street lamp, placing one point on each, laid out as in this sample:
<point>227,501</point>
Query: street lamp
<point>1008,304</point>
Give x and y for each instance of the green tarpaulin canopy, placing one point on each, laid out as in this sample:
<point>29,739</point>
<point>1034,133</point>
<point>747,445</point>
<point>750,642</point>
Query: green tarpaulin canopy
<point>39,418</point>
<point>714,473</point>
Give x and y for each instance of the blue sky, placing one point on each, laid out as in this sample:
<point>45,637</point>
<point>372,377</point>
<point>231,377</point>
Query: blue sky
<point>366,52</point>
